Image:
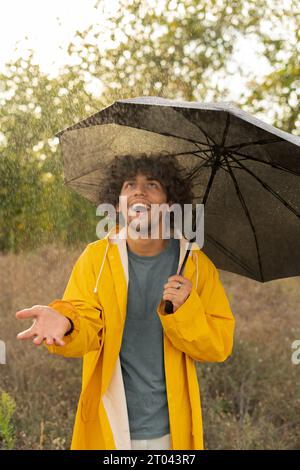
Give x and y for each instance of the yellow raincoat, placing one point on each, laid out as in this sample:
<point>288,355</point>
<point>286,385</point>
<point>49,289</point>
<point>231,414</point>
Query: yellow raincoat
<point>200,330</point>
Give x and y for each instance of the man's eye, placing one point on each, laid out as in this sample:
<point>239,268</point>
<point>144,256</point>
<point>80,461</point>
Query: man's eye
<point>153,184</point>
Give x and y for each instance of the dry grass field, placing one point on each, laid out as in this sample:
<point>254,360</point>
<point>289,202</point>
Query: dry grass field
<point>251,401</point>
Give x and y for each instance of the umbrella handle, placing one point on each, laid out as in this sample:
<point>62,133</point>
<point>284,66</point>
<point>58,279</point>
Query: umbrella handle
<point>168,303</point>
<point>168,306</point>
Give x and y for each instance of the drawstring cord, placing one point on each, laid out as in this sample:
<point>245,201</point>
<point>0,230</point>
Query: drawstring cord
<point>99,275</point>
<point>196,262</point>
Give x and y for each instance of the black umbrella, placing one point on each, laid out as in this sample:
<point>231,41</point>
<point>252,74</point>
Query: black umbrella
<point>245,171</point>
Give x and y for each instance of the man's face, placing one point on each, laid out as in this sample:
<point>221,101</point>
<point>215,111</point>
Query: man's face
<point>141,192</point>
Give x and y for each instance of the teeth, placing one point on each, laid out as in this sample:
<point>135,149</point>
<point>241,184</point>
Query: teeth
<point>137,207</point>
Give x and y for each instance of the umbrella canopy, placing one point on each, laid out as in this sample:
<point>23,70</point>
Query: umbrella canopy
<point>246,172</point>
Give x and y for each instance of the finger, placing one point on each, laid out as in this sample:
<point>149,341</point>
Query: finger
<point>177,286</point>
<point>49,341</point>
<point>168,296</point>
<point>26,334</point>
<point>59,342</point>
<point>26,313</point>
<point>38,340</point>
<point>178,278</point>
<point>172,290</point>
<point>174,284</point>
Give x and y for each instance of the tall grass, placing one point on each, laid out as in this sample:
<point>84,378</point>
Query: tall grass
<point>7,432</point>
<point>249,402</point>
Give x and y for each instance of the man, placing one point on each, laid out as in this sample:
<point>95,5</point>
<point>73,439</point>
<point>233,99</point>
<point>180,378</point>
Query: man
<point>139,385</point>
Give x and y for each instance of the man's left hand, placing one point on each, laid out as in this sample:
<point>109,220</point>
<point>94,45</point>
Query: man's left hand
<point>177,290</point>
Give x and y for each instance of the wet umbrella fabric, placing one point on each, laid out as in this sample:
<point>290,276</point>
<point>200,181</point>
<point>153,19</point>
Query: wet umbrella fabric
<point>246,172</point>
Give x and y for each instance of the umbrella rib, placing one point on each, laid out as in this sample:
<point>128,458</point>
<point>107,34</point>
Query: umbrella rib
<point>231,255</point>
<point>256,142</point>
<point>209,150</point>
<point>232,166</point>
<point>273,165</point>
<point>195,170</point>
<point>168,134</point>
<point>205,133</point>
<point>244,205</point>
<point>210,182</point>
<point>99,166</point>
<point>95,168</point>
<point>225,133</point>
<point>197,155</point>
<point>208,136</point>
<point>267,187</point>
<point>83,183</point>
<point>201,151</point>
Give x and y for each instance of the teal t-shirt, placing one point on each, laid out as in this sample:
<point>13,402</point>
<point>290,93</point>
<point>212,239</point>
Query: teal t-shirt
<point>142,350</point>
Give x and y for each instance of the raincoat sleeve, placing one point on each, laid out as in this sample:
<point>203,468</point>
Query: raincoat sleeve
<point>81,305</point>
<point>203,326</point>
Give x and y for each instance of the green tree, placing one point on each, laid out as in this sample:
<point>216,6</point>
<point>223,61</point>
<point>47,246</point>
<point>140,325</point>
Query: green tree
<point>169,48</point>
<point>184,50</point>
<point>278,93</point>
<point>35,206</point>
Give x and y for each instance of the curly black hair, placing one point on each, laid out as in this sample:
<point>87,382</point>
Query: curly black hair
<point>161,167</point>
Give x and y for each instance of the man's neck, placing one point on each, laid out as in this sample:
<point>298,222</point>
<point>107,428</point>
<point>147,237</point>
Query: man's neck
<point>147,247</point>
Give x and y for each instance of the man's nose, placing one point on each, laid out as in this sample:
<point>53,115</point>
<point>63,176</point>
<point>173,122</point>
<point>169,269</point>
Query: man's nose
<point>139,189</point>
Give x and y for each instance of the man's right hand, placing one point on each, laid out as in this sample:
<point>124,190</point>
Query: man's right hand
<point>47,325</point>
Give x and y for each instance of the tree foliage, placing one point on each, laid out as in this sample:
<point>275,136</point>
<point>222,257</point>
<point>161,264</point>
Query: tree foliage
<point>168,48</point>
<point>278,93</point>
<point>36,207</point>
